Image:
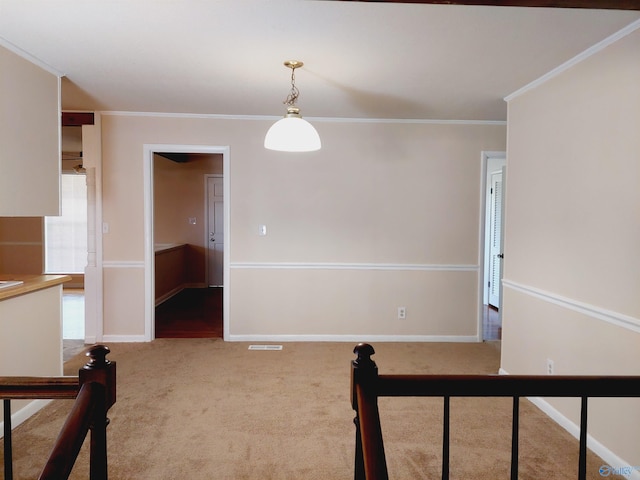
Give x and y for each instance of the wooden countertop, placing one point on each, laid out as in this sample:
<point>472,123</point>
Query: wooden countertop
<point>31,283</point>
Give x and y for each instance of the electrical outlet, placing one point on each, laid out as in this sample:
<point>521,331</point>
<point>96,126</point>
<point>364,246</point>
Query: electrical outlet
<point>402,313</point>
<point>550,367</point>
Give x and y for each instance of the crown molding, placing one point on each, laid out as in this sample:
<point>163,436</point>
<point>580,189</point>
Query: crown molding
<point>30,58</point>
<point>576,60</point>
<point>272,118</point>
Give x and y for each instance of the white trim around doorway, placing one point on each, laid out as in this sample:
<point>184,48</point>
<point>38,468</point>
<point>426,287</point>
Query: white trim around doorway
<point>149,303</point>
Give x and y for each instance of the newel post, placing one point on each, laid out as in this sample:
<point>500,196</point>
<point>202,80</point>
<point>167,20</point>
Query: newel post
<point>369,452</point>
<point>364,371</point>
<point>103,372</point>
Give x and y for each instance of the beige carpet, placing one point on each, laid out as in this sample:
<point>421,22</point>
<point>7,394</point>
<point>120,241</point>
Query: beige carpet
<point>206,409</point>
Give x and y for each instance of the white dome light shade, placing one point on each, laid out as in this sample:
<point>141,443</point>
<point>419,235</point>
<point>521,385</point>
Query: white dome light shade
<point>292,134</point>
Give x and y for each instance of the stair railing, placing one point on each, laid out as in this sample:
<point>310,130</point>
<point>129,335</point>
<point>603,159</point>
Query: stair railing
<point>367,386</point>
<point>94,391</point>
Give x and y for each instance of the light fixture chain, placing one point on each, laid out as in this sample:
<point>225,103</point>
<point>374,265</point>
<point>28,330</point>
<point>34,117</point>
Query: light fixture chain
<point>294,93</point>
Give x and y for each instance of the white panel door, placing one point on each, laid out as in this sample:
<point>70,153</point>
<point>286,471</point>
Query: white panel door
<point>495,239</point>
<point>215,229</point>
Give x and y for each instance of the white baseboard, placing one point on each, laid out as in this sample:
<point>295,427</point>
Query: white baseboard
<point>612,460</point>
<point>354,338</point>
<point>316,338</point>
<point>123,339</point>
<point>24,413</point>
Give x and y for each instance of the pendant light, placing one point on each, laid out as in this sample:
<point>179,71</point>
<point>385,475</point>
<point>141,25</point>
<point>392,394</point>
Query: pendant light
<point>292,133</point>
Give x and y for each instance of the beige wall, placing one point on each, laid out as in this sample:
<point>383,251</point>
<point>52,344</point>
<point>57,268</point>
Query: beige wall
<point>22,245</point>
<point>22,248</point>
<point>30,138</point>
<point>572,262</point>
<point>377,219</point>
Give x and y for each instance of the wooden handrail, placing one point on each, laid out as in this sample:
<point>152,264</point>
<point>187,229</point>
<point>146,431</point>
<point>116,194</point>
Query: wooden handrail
<point>507,386</point>
<point>32,388</point>
<point>75,429</point>
<point>94,390</point>
<point>367,386</point>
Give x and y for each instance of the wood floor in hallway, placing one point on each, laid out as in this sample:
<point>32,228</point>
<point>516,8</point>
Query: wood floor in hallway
<point>192,313</point>
<point>491,326</point>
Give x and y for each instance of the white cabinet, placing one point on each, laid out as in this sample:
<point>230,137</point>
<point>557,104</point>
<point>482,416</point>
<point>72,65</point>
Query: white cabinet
<point>29,138</point>
<point>31,333</point>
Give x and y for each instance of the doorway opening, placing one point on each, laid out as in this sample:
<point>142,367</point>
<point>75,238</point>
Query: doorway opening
<point>66,237</point>
<point>182,302</point>
<point>493,187</point>
<point>188,244</point>
<point>65,253</point>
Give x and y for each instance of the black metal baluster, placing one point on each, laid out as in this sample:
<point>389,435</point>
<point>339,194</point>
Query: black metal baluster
<point>8,450</point>
<point>515,432</point>
<point>445,439</point>
<point>359,459</point>
<point>582,460</point>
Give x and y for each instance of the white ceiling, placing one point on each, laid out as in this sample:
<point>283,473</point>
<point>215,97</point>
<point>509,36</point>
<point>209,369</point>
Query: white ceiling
<point>362,59</point>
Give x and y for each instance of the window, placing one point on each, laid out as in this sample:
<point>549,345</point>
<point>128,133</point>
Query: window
<point>66,235</point>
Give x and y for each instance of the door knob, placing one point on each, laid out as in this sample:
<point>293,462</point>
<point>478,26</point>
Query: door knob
<point>501,255</point>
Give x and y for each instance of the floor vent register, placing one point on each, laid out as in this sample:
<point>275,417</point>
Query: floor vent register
<point>265,347</point>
